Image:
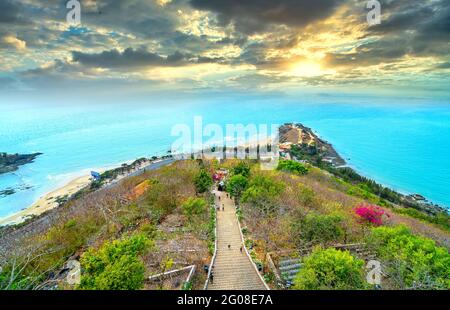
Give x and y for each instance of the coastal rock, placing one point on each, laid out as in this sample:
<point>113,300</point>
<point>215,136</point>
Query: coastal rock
<point>12,162</point>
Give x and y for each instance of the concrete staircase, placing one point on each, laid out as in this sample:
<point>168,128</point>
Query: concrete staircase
<point>232,269</point>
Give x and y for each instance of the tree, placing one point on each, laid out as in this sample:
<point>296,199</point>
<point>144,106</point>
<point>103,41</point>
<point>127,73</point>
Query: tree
<point>116,265</point>
<point>125,273</point>
<point>203,181</point>
<point>194,206</point>
<point>236,185</point>
<point>316,228</point>
<point>262,193</point>
<point>292,166</point>
<point>242,168</point>
<point>412,262</point>
<point>330,269</point>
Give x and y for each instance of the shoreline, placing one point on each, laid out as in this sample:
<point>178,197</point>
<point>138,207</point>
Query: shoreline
<point>47,201</point>
<point>396,188</point>
<point>80,180</point>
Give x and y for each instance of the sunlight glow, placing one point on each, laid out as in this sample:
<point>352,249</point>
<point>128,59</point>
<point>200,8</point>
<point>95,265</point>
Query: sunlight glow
<point>307,69</point>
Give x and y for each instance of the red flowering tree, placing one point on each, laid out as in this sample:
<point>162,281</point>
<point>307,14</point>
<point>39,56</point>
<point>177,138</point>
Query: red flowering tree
<point>371,214</point>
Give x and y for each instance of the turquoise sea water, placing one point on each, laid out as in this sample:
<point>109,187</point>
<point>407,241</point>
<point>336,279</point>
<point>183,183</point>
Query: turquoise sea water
<point>404,144</point>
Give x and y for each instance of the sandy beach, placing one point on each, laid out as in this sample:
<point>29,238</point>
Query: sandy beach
<point>47,201</point>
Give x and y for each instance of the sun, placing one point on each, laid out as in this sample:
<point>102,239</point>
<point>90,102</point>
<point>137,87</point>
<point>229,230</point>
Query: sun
<point>307,69</point>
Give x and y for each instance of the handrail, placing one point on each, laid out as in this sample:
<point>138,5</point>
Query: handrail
<point>215,248</point>
<point>159,275</point>
<point>249,257</point>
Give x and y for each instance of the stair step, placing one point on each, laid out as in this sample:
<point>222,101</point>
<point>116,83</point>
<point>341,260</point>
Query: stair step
<point>233,269</point>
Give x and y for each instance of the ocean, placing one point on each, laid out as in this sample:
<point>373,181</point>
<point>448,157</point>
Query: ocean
<point>402,143</point>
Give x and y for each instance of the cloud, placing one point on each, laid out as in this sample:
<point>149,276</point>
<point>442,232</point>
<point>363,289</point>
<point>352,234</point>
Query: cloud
<point>130,58</point>
<point>12,41</point>
<point>252,43</point>
<point>258,15</point>
<point>444,65</point>
<point>9,11</point>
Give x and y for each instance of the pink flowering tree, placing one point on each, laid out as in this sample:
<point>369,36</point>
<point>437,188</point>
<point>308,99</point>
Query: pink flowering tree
<point>371,214</point>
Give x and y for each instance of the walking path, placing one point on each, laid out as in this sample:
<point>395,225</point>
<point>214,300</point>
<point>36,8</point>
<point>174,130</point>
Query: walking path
<point>232,268</point>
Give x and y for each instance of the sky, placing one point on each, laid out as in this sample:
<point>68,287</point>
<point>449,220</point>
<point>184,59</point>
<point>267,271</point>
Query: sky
<point>203,46</point>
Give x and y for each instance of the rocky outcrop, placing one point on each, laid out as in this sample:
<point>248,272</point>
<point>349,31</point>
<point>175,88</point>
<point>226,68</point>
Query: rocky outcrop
<point>12,162</point>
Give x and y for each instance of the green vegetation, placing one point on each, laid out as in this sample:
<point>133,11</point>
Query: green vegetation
<point>412,262</point>
<point>316,228</point>
<point>111,214</point>
<point>349,175</point>
<point>282,210</point>
<point>194,206</point>
<point>292,166</point>
<point>116,265</point>
<point>306,197</point>
<point>319,209</point>
<point>242,168</point>
<point>236,185</point>
<point>114,173</point>
<point>262,193</point>
<point>442,219</point>
<point>203,181</point>
<point>212,230</point>
<point>330,269</point>
<point>306,152</point>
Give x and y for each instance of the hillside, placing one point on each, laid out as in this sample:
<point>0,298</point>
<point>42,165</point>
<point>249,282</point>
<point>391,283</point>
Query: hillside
<point>311,207</point>
<point>302,144</point>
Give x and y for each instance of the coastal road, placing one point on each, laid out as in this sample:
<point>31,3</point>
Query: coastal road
<point>9,238</point>
<point>152,166</point>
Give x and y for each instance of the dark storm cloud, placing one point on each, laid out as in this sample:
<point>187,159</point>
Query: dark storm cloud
<point>256,15</point>
<point>125,35</point>
<point>423,18</point>
<point>130,58</point>
<point>9,11</point>
<point>140,17</point>
<point>385,50</point>
<point>409,28</point>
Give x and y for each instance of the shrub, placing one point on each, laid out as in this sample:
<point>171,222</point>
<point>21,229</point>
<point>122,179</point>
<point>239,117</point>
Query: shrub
<point>160,200</point>
<point>307,197</point>
<point>330,269</point>
<point>125,273</point>
<point>203,181</point>
<point>236,185</point>
<point>115,265</point>
<point>262,192</point>
<point>371,214</point>
<point>442,218</point>
<point>315,228</point>
<point>242,168</point>
<point>149,230</point>
<point>211,230</point>
<point>292,166</point>
<point>194,206</point>
<point>413,262</point>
